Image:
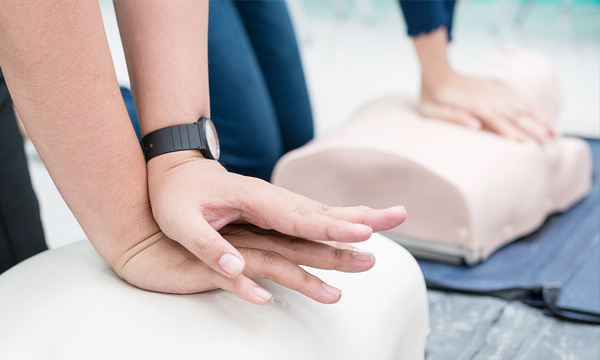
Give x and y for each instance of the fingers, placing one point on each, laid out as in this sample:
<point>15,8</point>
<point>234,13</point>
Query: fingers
<point>520,127</point>
<point>245,289</point>
<point>284,212</point>
<point>272,266</point>
<point>451,114</point>
<point>332,256</point>
<point>534,123</point>
<point>304,223</point>
<point>195,276</point>
<point>199,238</point>
<point>193,280</point>
<point>519,118</point>
<point>299,216</point>
<point>533,128</point>
<point>498,122</point>
<point>166,266</point>
<point>491,104</point>
<point>376,219</point>
<point>543,118</point>
<point>490,114</point>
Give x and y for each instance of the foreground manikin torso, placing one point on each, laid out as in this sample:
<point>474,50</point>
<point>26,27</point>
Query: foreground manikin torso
<point>68,304</point>
<point>467,192</point>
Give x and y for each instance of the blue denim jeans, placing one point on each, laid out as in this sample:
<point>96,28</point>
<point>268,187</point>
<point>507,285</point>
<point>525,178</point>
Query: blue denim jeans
<point>259,101</point>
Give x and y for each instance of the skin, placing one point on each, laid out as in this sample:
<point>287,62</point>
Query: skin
<point>474,102</point>
<point>58,68</point>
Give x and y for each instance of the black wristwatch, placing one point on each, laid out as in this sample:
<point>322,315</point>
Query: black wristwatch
<point>200,135</point>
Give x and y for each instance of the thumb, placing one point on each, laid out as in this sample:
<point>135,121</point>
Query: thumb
<point>202,240</point>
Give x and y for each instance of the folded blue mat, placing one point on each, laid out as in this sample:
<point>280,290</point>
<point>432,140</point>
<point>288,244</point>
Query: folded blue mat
<point>556,268</point>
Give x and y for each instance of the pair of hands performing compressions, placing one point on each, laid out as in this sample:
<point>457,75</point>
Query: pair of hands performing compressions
<point>181,223</point>
<point>475,102</point>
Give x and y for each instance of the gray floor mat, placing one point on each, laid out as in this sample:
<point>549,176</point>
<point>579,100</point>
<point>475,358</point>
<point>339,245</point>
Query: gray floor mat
<point>481,327</point>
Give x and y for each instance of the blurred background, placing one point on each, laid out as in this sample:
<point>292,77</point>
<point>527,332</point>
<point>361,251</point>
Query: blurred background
<point>354,51</point>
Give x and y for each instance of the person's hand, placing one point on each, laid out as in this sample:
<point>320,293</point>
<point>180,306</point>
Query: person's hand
<point>192,198</point>
<point>481,103</point>
<point>163,265</point>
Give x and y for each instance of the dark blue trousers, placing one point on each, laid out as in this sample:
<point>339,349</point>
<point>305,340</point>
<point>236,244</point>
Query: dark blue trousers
<point>424,16</point>
<point>259,101</point>
<point>21,232</point>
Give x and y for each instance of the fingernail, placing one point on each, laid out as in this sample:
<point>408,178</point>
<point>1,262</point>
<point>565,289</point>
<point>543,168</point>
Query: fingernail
<point>231,264</point>
<point>331,290</point>
<point>262,293</point>
<point>362,255</point>
<point>399,207</point>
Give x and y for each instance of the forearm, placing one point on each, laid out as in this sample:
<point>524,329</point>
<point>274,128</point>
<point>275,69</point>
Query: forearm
<point>165,45</point>
<point>432,52</point>
<point>57,65</point>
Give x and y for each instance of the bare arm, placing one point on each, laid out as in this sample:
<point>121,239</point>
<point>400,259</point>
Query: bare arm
<point>165,45</point>
<point>192,198</point>
<point>57,64</point>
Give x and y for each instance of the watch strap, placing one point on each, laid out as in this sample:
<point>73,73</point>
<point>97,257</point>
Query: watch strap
<point>174,138</point>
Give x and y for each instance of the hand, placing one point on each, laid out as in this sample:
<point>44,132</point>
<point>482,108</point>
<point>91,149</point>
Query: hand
<point>192,198</point>
<point>163,265</point>
<point>480,103</point>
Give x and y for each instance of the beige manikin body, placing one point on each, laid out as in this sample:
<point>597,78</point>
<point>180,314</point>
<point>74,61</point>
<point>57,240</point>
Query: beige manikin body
<point>467,192</point>
<point>68,304</point>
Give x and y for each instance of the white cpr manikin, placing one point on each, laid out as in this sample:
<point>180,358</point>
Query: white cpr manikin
<point>467,192</point>
<point>68,304</point>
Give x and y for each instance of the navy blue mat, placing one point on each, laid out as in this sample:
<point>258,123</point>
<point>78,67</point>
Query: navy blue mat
<point>556,268</point>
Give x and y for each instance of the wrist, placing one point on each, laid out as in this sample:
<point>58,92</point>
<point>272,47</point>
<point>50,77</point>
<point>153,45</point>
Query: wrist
<point>433,84</point>
<point>121,237</point>
<point>432,53</point>
<point>165,162</point>
<point>123,259</point>
<point>432,81</point>
<point>200,135</point>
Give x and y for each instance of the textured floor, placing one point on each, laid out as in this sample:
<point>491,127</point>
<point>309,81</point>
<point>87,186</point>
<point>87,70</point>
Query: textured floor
<point>481,327</point>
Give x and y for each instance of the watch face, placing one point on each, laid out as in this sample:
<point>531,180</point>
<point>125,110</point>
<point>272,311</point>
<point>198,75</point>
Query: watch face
<point>212,139</point>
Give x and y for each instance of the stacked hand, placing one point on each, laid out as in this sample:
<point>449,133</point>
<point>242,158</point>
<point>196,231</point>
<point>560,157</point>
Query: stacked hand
<point>221,230</point>
<point>480,103</point>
